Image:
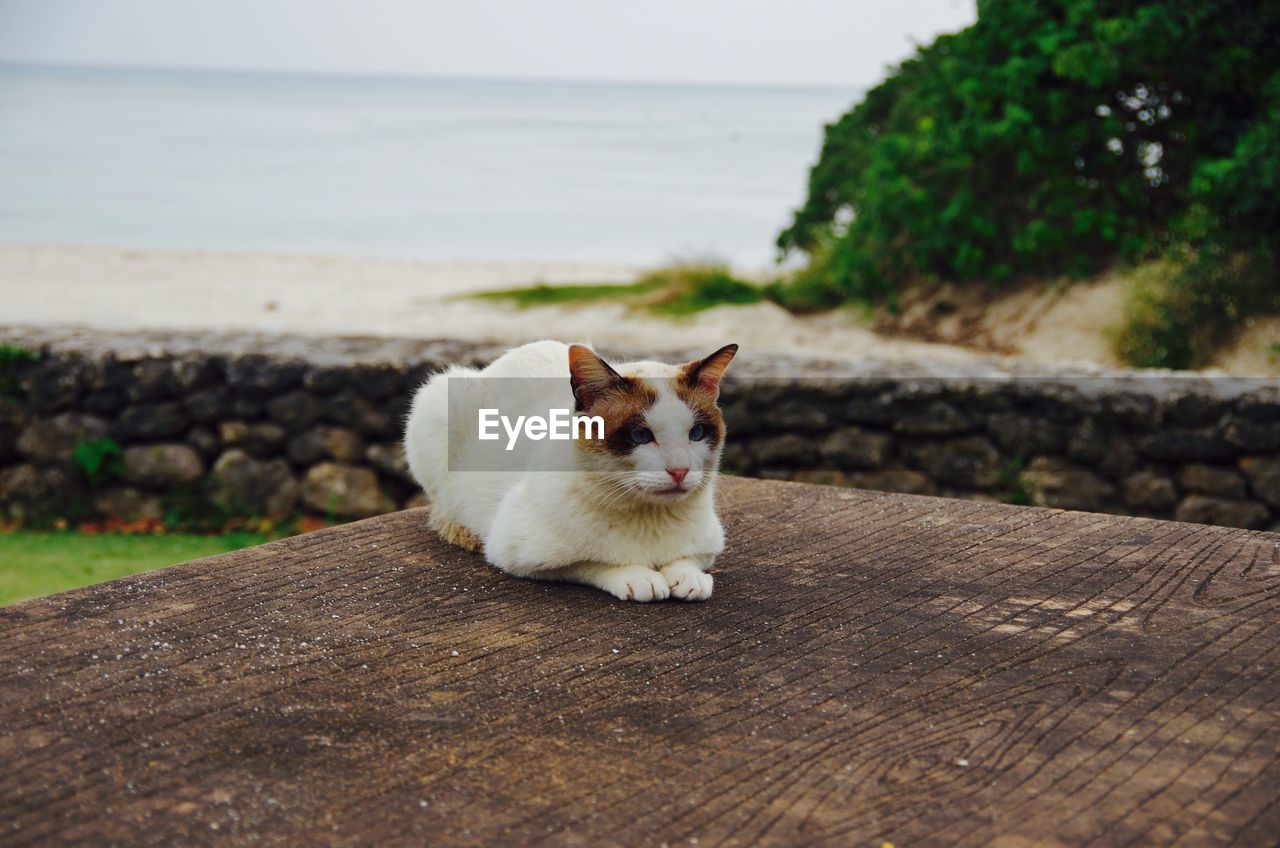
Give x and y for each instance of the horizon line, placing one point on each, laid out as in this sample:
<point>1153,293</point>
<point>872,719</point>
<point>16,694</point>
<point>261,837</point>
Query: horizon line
<point>386,76</point>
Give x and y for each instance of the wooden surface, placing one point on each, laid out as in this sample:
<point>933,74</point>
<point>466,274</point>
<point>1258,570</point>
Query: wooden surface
<point>872,668</point>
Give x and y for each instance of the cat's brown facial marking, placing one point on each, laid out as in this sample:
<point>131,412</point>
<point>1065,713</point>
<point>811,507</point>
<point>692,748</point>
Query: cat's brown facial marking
<point>698,386</point>
<point>620,401</point>
<point>623,413</point>
<point>705,412</point>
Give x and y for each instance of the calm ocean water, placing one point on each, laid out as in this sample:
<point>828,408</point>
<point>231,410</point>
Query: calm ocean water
<point>424,168</point>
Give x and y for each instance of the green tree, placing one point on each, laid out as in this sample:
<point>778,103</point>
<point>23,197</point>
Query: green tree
<point>1052,136</point>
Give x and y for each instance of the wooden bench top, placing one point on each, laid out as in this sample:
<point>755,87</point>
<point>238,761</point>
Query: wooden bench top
<point>873,668</point>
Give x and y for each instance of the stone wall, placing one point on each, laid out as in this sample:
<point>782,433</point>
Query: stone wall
<point>1185,448</point>
<point>221,425</point>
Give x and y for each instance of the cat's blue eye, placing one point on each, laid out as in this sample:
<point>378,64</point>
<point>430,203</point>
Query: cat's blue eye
<point>697,433</point>
<point>641,436</point>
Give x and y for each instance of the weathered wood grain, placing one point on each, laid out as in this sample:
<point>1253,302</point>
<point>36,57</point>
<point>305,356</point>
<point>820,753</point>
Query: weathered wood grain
<point>872,668</point>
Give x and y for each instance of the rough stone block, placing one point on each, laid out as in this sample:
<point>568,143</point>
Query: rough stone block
<point>28,490</point>
<point>1088,442</point>
<point>969,462</point>
<point>1264,477</point>
<point>149,381</point>
<point>366,418</point>
<point>263,376</point>
<point>55,439</point>
<point>105,402</point>
<point>786,449</point>
<point>327,379</point>
<point>794,417</point>
<point>1133,412</point>
<point>736,457</point>
<point>1255,436</point>
<point>934,419</point>
<point>106,373</point>
<point>321,443</point>
<point>162,466</point>
<point>150,421</point>
<point>738,419</point>
<point>1262,405</point>
<point>1184,445</point>
<point>246,407</point>
<point>128,503</point>
<point>240,483</point>
<point>1149,491</point>
<point>344,490</point>
<point>51,384</point>
<point>389,460</point>
<point>376,382</point>
<point>261,438</point>
<point>1196,409</point>
<point>862,409</point>
<point>1062,486</point>
<point>190,373</point>
<point>1213,480</point>
<point>204,441</point>
<point>209,404</point>
<point>1023,435</point>
<point>1225,512</point>
<point>294,410</point>
<point>856,448</point>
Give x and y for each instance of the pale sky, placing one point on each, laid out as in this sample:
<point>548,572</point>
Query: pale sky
<point>838,42</point>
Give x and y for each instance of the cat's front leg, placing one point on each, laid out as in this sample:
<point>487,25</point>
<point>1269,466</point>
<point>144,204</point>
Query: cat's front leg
<point>687,579</point>
<point>625,582</point>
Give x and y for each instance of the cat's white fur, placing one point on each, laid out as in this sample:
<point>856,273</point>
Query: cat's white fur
<point>602,525</point>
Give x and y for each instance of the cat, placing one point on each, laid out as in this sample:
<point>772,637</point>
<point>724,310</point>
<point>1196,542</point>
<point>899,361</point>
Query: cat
<point>632,513</point>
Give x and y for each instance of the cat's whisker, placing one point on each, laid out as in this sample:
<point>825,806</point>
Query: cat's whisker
<point>614,495</point>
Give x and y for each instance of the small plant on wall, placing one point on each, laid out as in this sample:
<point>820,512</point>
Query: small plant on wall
<point>100,460</point>
<point>12,356</point>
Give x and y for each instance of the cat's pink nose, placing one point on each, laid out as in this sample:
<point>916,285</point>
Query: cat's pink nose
<point>677,474</point>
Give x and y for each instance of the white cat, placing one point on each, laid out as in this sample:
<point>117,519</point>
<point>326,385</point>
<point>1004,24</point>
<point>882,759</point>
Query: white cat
<point>632,513</point>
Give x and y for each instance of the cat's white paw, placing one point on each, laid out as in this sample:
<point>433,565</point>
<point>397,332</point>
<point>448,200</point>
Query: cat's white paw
<point>635,583</point>
<point>687,581</point>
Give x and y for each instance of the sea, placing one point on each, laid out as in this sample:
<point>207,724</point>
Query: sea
<point>424,168</point>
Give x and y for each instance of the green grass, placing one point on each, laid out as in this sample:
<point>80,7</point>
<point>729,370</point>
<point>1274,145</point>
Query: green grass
<point>676,290</point>
<point>544,294</point>
<point>34,564</point>
<point>684,290</point>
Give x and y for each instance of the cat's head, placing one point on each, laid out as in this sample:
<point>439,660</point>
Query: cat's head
<point>662,427</point>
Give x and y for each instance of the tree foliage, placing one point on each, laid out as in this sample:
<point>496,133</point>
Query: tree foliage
<point>1052,136</point>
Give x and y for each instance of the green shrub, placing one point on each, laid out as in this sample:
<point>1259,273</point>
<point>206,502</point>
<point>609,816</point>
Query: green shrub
<point>13,354</point>
<point>1180,310</point>
<point>816,286</point>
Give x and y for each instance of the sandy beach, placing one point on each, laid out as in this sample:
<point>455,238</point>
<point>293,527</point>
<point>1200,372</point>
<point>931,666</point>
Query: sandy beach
<point>53,285</point>
<point>124,289</point>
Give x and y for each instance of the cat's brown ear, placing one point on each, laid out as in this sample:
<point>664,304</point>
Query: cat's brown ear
<point>590,376</point>
<point>705,374</point>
